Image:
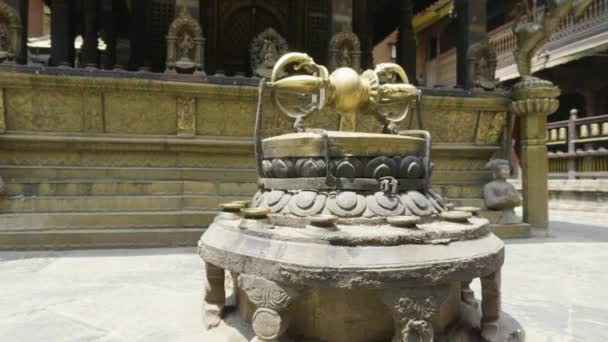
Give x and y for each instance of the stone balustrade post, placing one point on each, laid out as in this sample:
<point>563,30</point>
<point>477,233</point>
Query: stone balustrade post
<point>571,146</point>
<point>533,100</point>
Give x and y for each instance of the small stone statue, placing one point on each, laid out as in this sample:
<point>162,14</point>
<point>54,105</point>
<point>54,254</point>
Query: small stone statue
<point>481,60</point>
<point>265,51</point>
<point>3,42</point>
<point>10,33</point>
<point>186,45</point>
<point>500,194</point>
<point>345,50</point>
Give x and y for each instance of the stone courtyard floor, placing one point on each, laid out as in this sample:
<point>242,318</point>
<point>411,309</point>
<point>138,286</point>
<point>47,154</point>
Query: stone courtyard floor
<point>557,287</point>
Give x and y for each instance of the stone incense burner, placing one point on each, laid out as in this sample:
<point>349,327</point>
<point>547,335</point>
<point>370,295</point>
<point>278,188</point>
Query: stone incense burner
<point>345,239</point>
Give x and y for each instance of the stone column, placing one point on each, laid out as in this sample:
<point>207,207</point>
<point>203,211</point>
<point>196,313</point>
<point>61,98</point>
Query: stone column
<point>61,37</point>
<point>406,44</point>
<point>471,21</point>
<point>89,36</point>
<point>215,295</point>
<point>533,100</point>
<point>490,306</point>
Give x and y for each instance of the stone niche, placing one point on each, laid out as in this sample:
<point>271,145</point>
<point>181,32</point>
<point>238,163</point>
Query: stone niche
<point>185,45</point>
<point>10,33</point>
<point>345,50</point>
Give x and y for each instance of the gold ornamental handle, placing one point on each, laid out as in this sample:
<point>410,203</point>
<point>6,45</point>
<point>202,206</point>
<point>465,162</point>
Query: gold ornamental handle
<point>345,90</point>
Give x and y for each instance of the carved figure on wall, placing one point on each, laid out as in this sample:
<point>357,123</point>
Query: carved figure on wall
<point>481,60</point>
<point>266,49</point>
<point>185,45</point>
<point>10,33</point>
<point>532,33</point>
<point>345,50</point>
<point>186,116</point>
<point>500,194</point>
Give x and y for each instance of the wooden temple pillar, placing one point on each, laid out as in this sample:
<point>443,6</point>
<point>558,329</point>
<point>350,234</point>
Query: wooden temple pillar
<point>471,21</point>
<point>62,42</point>
<point>139,35</point>
<point>110,20</point>
<point>363,27</point>
<point>406,44</point>
<point>21,6</point>
<point>89,34</point>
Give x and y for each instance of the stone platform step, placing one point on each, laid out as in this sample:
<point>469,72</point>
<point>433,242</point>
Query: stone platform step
<point>35,187</point>
<point>78,221</point>
<point>127,173</point>
<point>52,204</point>
<point>100,238</point>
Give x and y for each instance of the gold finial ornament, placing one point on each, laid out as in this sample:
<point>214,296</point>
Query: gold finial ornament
<point>344,89</point>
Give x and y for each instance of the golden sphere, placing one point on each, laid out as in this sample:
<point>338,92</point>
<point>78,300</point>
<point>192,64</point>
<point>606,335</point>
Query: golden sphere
<point>349,91</point>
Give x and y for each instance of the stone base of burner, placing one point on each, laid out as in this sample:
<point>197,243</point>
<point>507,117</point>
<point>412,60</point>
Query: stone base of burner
<point>234,329</point>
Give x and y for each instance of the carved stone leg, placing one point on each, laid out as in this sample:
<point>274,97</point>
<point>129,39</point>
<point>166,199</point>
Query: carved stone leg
<point>490,306</point>
<point>468,295</point>
<point>271,318</point>
<point>412,310</point>
<point>215,295</point>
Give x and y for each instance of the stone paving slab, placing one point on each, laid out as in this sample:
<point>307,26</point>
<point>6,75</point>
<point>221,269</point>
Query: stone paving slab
<point>555,286</point>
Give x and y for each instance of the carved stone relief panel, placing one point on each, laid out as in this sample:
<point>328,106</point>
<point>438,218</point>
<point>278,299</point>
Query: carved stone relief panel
<point>186,116</point>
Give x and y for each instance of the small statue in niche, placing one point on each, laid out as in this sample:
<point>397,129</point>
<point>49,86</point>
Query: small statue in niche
<point>185,45</point>
<point>481,60</point>
<point>3,41</point>
<point>10,33</point>
<point>500,194</point>
<point>345,50</point>
<point>345,60</point>
<point>265,51</point>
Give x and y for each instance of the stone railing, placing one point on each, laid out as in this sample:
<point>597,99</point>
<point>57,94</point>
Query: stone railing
<point>578,147</point>
<point>595,16</point>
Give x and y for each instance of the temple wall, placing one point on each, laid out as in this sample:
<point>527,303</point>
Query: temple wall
<point>177,150</point>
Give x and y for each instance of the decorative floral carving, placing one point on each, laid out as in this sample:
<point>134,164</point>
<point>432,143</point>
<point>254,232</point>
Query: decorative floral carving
<point>380,167</point>
<point>408,167</point>
<point>306,203</point>
<point>412,312</point>
<point>346,204</point>
<point>350,203</point>
<point>271,300</point>
<point>383,204</point>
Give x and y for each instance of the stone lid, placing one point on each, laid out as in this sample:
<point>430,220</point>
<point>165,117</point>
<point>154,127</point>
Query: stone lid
<point>341,144</point>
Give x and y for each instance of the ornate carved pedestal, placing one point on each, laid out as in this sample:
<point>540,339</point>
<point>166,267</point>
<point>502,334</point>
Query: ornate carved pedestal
<point>345,241</point>
<point>533,100</point>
